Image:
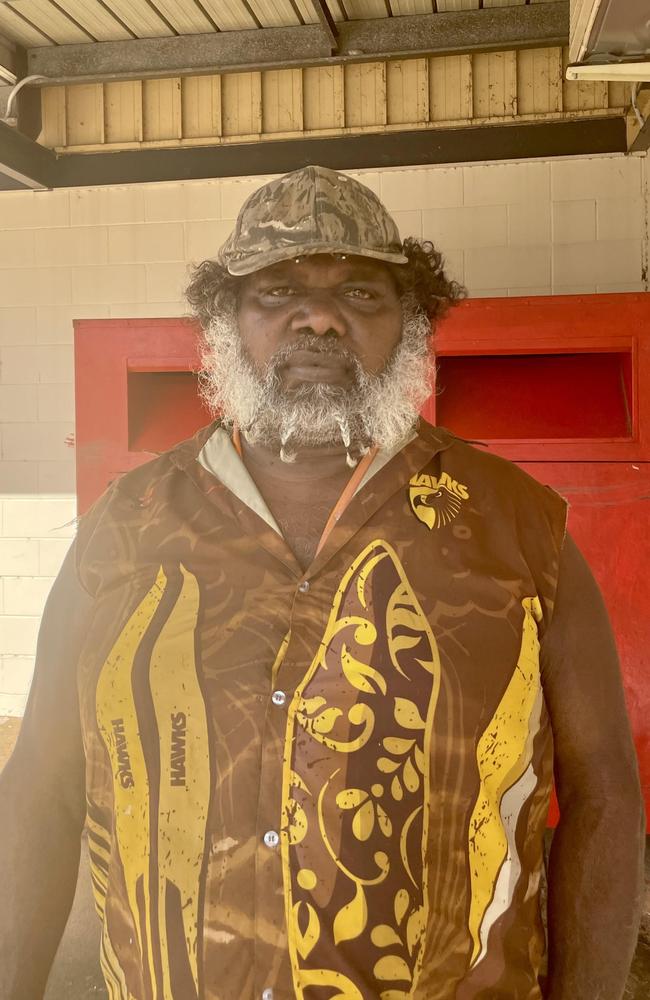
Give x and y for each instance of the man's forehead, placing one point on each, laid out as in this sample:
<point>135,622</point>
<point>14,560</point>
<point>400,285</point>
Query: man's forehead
<point>349,265</point>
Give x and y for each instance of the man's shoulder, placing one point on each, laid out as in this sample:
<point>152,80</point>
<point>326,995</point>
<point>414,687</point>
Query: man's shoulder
<point>489,470</point>
<point>138,485</point>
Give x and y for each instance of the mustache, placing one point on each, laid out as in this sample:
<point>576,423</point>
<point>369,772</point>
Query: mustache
<point>316,345</point>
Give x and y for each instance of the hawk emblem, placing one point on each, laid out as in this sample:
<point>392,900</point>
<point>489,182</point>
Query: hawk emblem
<point>436,501</point>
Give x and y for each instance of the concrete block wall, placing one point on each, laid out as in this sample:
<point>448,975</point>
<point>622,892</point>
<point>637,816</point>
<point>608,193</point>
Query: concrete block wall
<point>519,228</point>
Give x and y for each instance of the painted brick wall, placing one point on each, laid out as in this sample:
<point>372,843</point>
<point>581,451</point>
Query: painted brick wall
<point>528,228</point>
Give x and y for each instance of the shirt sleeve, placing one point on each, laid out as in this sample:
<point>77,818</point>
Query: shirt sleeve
<point>42,799</point>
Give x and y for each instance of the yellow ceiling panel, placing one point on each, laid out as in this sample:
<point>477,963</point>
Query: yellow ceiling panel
<point>401,7</point>
<point>407,91</point>
<point>365,94</point>
<point>161,109</point>
<point>323,97</point>
<point>450,88</point>
<point>14,28</point>
<point>362,9</point>
<point>503,3</point>
<point>229,15</point>
<point>494,84</point>
<point>446,5</point>
<point>186,17</point>
<point>97,20</point>
<point>50,20</point>
<point>539,81</point>
<point>201,106</point>
<point>85,114</point>
<point>282,109</point>
<point>141,19</point>
<point>123,111</point>
<point>241,102</point>
<point>274,13</point>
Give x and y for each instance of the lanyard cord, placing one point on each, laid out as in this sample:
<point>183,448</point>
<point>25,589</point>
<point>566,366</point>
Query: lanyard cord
<point>345,497</point>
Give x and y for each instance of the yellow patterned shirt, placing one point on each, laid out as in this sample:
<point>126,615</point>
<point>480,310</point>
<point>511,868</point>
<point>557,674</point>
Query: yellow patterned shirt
<point>330,784</point>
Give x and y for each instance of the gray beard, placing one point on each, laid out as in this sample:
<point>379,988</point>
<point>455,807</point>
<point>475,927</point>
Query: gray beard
<point>379,410</point>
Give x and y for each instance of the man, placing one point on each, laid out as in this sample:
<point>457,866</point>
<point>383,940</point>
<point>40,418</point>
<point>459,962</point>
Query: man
<point>314,668</point>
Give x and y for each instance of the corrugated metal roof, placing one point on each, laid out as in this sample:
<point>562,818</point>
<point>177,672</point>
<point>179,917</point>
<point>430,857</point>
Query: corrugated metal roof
<point>33,23</point>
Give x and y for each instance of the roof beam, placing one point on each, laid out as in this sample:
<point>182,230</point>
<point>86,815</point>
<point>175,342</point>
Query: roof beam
<point>497,28</point>
<point>328,24</point>
<point>638,127</point>
<point>23,161</point>
<point>9,61</point>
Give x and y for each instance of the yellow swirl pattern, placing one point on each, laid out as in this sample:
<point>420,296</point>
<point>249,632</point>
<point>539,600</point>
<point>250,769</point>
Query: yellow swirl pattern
<point>161,812</point>
<point>183,801</point>
<point>118,725</point>
<point>356,769</point>
<point>504,753</point>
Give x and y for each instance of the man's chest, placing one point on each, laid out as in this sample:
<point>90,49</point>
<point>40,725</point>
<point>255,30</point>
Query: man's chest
<point>301,511</point>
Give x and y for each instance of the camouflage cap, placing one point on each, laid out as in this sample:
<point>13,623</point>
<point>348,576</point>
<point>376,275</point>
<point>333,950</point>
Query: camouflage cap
<point>309,211</point>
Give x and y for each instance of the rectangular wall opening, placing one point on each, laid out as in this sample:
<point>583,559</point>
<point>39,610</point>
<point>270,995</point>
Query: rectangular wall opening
<point>533,396</point>
<point>164,408</point>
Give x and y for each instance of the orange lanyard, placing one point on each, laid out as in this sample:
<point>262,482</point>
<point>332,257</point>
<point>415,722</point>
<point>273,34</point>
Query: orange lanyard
<point>348,490</point>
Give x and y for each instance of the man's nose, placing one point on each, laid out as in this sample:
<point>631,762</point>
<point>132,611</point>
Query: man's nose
<point>320,314</point>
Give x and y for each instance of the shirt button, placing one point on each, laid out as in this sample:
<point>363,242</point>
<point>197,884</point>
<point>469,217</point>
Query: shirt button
<point>267,994</point>
<point>303,587</point>
<point>271,838</point>
<point>278,697</point>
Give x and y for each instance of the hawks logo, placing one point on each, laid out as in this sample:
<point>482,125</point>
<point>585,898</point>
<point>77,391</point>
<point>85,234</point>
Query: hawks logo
<point>434,501</point>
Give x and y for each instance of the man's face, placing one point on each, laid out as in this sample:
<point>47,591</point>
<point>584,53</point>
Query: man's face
<point>318,353</point>
<point>319,317</point>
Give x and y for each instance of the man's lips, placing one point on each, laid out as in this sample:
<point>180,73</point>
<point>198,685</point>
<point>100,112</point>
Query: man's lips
<point>316,366</point>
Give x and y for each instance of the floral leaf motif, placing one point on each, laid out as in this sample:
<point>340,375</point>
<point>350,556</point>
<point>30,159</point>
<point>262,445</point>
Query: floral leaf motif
<point>408,714</point>
<point>325,722</point>
<point>402,900</point>
<point>305,942</point>
<point>295,781</point>
<point>363,821</point>
<point>385,824</point>
<point>359,714</point>
<point>365,632</point>
<point>414,928</point>
<point>311,705</point>
<point>360,674</point>
<point>411,777</point>
<point>350,798</point>
<point>405,641</point>
<point>392,967</point>
<point>419,759</point>
<point>295,822</point>
<point>383,936</point>
<point>394,744</point>
<point>334,980</point>
<point>396,789</point>
<point>406,617</point>
<point>352,918</point>
<point>387,765</point>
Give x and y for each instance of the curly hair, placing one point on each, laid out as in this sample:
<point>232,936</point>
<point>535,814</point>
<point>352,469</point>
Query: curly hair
<point>422,281</point>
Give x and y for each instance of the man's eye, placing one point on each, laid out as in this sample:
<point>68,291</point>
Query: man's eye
<point>280,291</point>
<point>358,293</point>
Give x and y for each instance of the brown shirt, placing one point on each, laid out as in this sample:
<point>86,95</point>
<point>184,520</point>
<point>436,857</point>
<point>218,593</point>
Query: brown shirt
<point>321,784</point>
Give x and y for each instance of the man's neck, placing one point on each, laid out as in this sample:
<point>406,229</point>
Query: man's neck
<point>311,463</point>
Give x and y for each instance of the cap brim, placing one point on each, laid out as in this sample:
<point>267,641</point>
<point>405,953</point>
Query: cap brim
<point>257,262</point>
